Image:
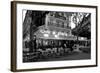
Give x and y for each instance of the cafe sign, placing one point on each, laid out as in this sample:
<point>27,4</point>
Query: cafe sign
<point>53,32</point>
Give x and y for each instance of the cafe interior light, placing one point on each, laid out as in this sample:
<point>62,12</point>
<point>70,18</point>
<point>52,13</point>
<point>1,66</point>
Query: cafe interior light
<point>66,34</point>
<point>46,35</point>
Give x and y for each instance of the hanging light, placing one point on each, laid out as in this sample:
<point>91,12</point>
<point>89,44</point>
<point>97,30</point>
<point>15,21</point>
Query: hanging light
<point>56,36</point>
<point>53,32</point>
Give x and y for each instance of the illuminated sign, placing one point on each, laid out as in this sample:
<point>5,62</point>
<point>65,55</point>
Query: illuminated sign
<point>53,32</point>
<point>45,31</point>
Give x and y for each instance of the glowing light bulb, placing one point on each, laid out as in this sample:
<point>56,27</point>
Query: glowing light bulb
<point>56,36</point>
<point>53,32</point>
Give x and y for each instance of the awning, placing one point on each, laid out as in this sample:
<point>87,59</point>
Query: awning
<point>50,34</point>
